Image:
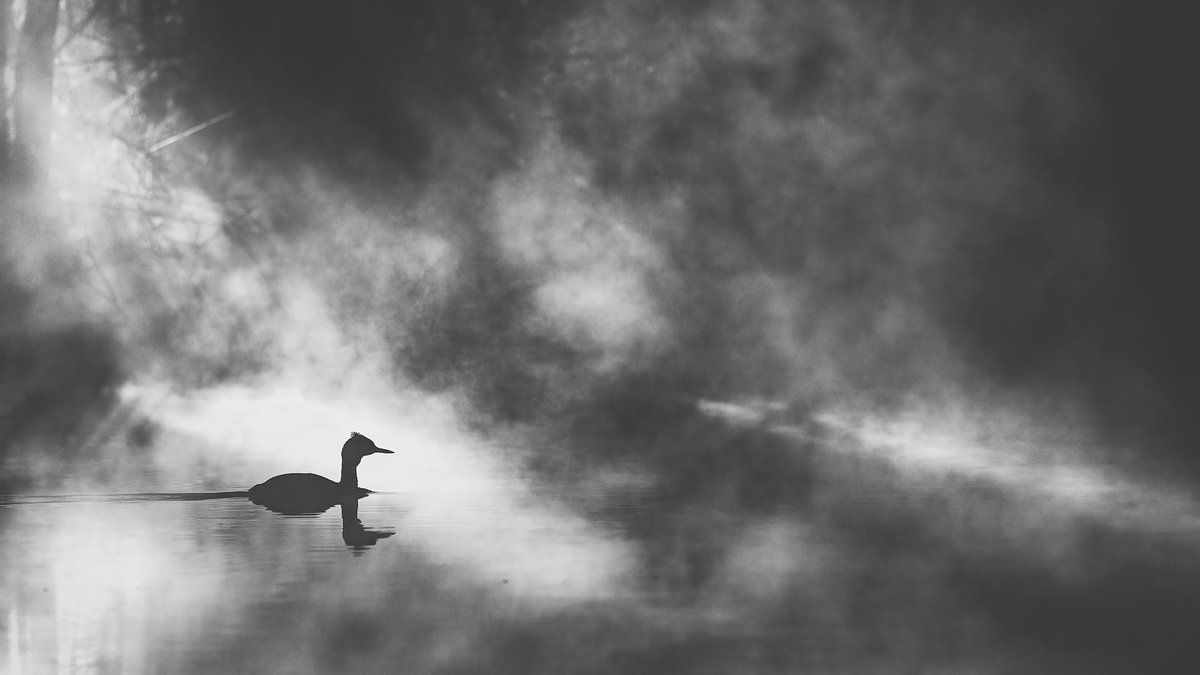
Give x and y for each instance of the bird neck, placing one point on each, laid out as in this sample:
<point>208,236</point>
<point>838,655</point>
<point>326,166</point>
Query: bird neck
<point>349,472</point>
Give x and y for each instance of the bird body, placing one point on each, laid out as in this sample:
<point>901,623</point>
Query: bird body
<point>306,493</point>
<point>307,483</point>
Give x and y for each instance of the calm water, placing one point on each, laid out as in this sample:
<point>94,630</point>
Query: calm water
<point>220,585</point>
<point>853,565</point>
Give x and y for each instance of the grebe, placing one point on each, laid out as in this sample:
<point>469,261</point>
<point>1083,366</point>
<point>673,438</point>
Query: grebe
<point>303,493</point>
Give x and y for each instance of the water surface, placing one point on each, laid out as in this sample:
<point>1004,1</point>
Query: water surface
<point>796,555</point>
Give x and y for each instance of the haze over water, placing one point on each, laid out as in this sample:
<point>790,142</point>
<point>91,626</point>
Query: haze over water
<point>746,336</point>
<point>875,555</point>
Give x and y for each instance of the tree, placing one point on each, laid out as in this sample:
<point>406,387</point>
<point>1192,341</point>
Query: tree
<point>33,88</point>
<point>5,24</point>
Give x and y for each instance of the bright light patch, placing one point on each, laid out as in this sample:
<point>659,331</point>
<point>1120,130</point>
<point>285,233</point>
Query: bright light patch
<point>467,507</point>
<point>593,266</point>
<point>98,605</point>
<point>1028,463</point>
<point>613,315</point>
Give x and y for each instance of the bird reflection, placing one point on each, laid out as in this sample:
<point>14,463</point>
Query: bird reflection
<point>354,534</point>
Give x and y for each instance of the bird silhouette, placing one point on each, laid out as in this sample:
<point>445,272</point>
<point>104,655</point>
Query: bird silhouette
<point>308,493</point>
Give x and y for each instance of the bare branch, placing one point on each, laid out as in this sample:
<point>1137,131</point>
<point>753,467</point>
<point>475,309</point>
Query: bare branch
<point>196,129</point>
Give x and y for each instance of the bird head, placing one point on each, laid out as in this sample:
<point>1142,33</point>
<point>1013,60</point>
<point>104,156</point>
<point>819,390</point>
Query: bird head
<point>359,446</point>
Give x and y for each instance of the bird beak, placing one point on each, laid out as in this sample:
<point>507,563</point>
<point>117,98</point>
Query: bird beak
<point>385,450</point>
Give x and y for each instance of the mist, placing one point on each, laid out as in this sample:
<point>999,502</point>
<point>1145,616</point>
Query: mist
<point>734,314</point>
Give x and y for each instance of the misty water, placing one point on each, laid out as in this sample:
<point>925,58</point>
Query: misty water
<point>225,586</point>
<point>819,547</point>
<point>756,336</point>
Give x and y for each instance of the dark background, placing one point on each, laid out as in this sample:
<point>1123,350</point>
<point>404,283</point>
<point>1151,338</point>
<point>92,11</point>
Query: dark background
<point>1020,200</point>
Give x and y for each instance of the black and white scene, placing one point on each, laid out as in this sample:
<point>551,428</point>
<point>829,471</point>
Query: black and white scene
<point>557,337</point>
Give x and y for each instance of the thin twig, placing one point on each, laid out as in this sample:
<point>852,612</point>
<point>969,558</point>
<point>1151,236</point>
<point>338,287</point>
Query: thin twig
<point>112,291</point>
<point>78,28</point>
<point>188,132</point>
